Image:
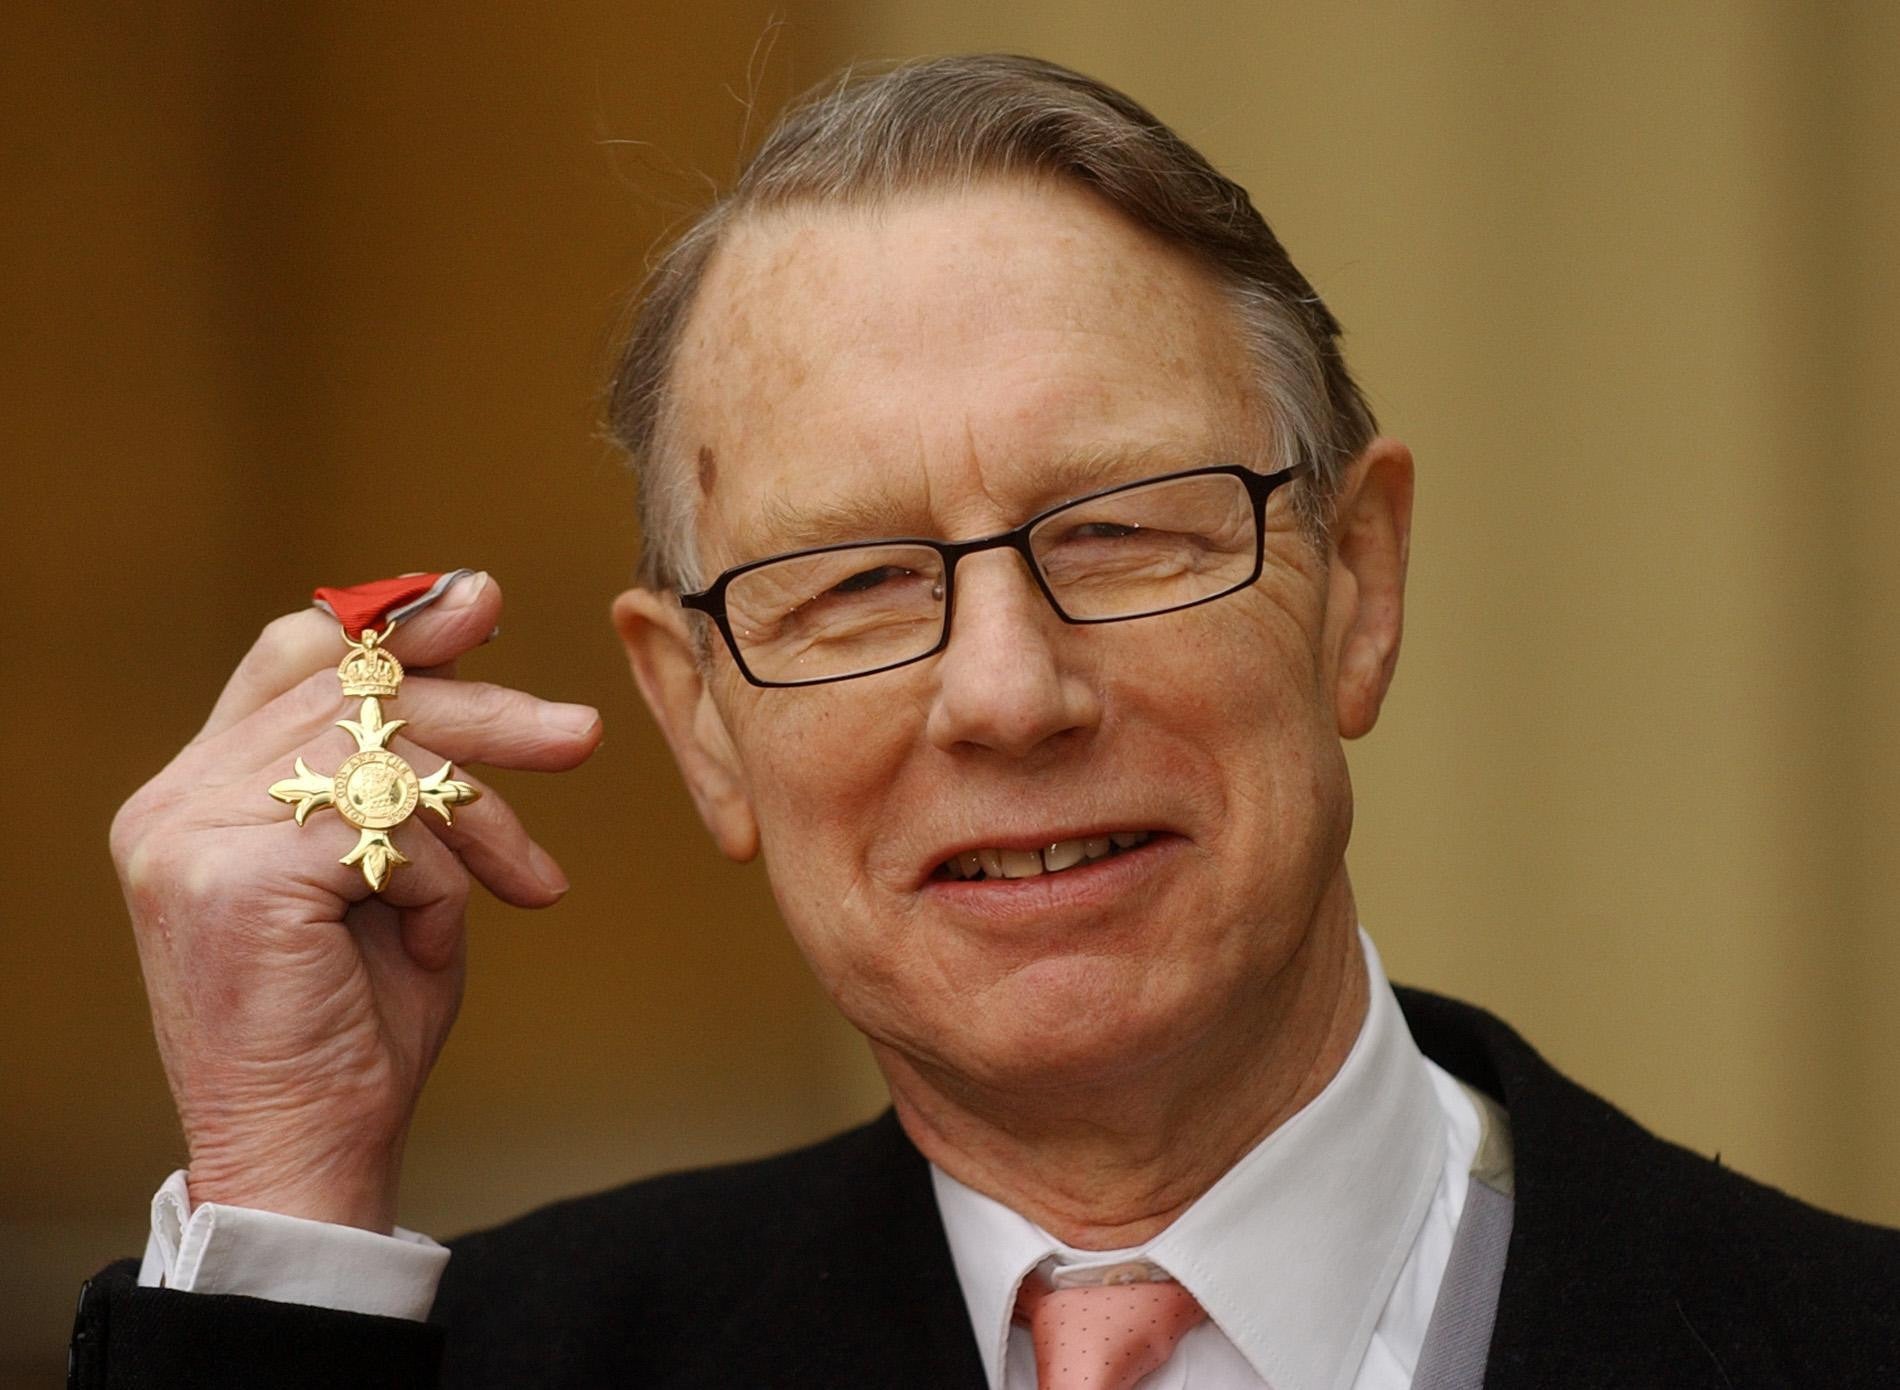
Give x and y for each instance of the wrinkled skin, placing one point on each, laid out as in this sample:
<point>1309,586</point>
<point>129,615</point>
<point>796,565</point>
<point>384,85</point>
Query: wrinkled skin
<point>297,1015</point>
<point>1091,1047</point>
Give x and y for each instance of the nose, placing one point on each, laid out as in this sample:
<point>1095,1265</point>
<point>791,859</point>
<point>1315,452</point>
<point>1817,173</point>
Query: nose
<point>1007,680</point>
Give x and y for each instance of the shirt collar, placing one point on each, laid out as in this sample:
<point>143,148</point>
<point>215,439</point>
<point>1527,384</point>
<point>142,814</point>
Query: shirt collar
<point>1294,1252</point>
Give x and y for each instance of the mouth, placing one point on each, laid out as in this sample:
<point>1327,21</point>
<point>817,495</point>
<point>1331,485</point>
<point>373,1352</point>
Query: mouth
<point>1057,858</point>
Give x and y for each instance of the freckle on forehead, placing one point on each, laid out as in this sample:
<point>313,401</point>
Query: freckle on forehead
<point>708,469</point>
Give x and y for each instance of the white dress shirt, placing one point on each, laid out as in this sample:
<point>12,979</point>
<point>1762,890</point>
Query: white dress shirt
<point>1318,1256</point>
<point>214,1248</point>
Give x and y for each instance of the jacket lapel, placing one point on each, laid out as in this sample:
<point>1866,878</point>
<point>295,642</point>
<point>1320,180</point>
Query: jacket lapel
<point>1590,1292</point>
<point>865,1293</point>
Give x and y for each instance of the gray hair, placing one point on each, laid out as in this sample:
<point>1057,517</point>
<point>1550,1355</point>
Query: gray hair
<point>951,122</point>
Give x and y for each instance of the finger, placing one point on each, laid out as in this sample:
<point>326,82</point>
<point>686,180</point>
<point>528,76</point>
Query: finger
<point>485,835</point>
<point>490,839</point>
<point>426,900</point>
<point>463,721</point>
<point>298,644</point>
<point>433,936</point>
<point>312,855</point>
<point>478,722</point>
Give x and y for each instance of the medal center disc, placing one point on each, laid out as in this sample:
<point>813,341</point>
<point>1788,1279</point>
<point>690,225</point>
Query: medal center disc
<point>375,790</point>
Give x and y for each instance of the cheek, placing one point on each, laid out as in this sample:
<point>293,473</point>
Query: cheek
<point>1256,702</point>
<point>1249,674</point>
<point>829,782</point>
<point>822,769</point>
<point>817,754</point>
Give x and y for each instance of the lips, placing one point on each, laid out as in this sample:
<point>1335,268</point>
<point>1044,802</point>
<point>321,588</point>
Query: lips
<point>1055,858</point>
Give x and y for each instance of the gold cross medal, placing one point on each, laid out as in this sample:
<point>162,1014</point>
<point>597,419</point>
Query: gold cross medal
<point>375,789</point>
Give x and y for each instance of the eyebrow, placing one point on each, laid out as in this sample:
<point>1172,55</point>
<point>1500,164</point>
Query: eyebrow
<point>793,523</point>
<point>797,523</point>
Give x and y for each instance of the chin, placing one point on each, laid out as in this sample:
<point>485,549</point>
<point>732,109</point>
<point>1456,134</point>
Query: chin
<point>1059,1025</point>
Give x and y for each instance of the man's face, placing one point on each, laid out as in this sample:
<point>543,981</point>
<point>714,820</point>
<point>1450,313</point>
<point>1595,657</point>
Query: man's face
<point>946,365</point>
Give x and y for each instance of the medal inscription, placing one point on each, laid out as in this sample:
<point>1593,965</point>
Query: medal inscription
<point>375,790</point>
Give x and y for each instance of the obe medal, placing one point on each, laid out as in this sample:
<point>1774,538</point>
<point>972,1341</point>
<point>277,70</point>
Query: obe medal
<point>375,789</point>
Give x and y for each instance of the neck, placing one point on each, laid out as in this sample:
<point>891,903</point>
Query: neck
<point>1103,1168</point>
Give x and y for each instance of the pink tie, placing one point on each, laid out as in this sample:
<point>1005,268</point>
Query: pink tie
<point>1103,1337</point>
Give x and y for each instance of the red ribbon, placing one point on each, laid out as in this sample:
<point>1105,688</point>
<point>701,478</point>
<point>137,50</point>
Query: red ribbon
<point>382,601</point>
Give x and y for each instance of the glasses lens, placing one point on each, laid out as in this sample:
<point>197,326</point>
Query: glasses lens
<point>838,612</point>
<point>1148,549</point>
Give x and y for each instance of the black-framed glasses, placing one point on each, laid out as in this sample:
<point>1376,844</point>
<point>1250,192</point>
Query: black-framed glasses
<point>1132,551</point>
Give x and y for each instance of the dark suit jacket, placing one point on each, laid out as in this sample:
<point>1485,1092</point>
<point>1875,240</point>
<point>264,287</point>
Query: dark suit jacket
<point>1632,1263</point>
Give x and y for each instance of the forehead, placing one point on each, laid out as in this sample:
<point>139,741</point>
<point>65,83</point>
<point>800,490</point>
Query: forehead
<point>945,362</point>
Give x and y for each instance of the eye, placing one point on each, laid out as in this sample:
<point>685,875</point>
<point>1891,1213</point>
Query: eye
<point>1101,531</point>
<point>866,580</point>
<point>1093,532</point>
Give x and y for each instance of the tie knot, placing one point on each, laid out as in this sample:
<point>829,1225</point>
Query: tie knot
<point>1103,1337</point>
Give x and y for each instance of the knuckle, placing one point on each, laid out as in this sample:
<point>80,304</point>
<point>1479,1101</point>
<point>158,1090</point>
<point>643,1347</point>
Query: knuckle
<point>313,700</point>
<point>281,641</point>
<point>127,830</point>
<point>139,867</point>
<point>486,695</point>
<point>279,632</point>
<point>153,879</point>
<point>512,713</point>
<point>491,709</point>
<point>133,824</point>
<point>274,639</point>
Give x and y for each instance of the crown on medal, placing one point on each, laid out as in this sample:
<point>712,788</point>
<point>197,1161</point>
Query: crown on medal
<point>369,671</point>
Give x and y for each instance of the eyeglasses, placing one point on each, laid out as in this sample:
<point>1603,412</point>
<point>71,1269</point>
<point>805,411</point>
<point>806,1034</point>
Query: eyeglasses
<point>1133,551</point>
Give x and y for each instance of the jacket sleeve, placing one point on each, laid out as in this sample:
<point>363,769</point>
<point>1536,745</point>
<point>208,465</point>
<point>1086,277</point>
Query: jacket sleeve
<point>131,1338</point>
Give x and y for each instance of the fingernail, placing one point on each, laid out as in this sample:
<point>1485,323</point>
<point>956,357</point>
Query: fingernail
<point>570,719</point>
<point>546,869</point>
<point>464,590</point>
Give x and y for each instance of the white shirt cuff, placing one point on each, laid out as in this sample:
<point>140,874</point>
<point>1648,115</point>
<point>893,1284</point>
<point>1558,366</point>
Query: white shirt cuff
<point>222,1249</point>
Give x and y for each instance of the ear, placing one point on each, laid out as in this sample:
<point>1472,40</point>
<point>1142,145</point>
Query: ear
<point>1365,607</point>
<point>659,642</point>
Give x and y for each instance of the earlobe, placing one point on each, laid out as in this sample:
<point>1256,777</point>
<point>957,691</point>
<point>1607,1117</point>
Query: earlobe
<point>659,641</point>
<point>1371,542</point>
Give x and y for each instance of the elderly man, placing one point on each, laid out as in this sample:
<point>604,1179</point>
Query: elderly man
<point>1019,551</point>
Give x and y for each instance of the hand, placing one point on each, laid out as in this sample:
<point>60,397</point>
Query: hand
<point>297,1014</point>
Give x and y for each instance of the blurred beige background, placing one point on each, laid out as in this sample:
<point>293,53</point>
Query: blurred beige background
<point>1624,275</point>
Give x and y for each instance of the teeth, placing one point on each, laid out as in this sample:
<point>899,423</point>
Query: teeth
<point>1021,863</point>
<point>1027,863</point>
<point>1062,855</point>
